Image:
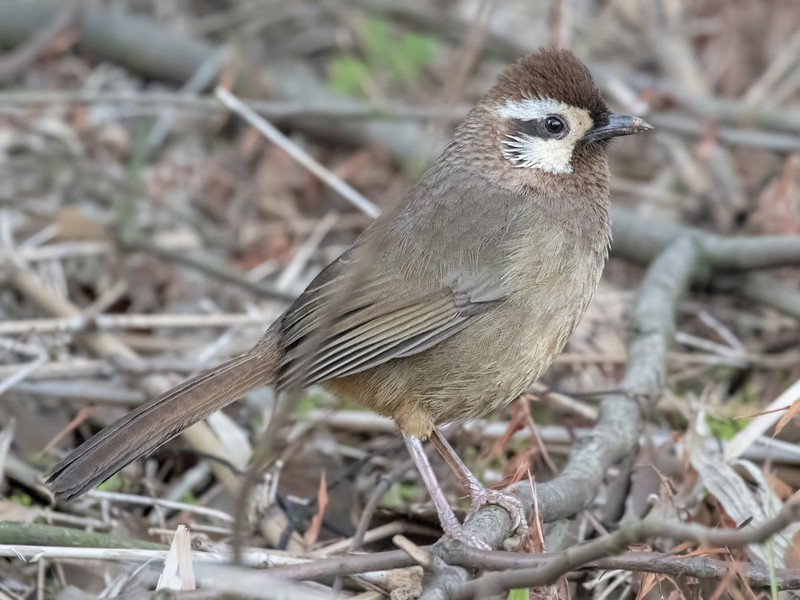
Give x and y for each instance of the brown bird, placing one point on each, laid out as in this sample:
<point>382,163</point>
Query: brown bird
<point>445,308</point>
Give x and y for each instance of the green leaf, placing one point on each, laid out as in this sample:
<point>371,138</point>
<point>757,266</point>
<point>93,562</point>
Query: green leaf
<point>402,57</point>
<point>379,44</point>
<point>310,400</point>
<point>724,429</point>
<point>22,499</point>
<point>399,494</point>
<point>347,75</point>
<point>112,484</point>
<point>519,594</point>
<point>189,498</point>
<point>414,53</point>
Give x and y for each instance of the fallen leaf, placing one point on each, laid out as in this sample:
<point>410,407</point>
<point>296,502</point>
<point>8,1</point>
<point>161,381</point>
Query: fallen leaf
<point>791,413</point>
<point>312,533</point>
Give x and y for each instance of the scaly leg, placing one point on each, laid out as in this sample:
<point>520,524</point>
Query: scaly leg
<point>478,493</point>
<point>447,517</point>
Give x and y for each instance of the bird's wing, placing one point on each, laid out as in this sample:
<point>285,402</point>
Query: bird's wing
<point>347,322</point>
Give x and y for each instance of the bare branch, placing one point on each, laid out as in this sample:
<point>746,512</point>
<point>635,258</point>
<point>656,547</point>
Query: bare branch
<point>641,531</point>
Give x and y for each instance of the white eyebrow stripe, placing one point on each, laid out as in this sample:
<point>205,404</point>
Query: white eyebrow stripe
<point>531,109</point>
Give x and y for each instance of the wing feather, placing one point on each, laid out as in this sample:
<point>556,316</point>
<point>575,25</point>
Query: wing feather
<point>355,315</point>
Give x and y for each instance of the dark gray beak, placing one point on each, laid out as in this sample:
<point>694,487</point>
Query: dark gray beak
<point>617,125</point>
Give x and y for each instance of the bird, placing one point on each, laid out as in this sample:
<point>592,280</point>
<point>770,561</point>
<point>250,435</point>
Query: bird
<point>446,307</point>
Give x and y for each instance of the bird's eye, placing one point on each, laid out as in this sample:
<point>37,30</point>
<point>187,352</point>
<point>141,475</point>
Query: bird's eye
<point>554,125</point>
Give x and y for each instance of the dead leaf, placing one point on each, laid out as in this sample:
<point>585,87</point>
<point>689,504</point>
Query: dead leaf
<point>312,533</point>
<point>649,581</point>
<point>74,225</point>
<point>516,423</point>
<point>792,558</point>
<point>779,487</point>
<point>778,207</point>
<point>791,413</point>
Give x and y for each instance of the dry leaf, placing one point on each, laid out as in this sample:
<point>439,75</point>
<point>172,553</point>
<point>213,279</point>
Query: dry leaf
<point>792,558</point>
<point>649,581</point>
<point>74,225</point>
<point>791,413</point>
<point>778,210</point>
<point>312,533</point>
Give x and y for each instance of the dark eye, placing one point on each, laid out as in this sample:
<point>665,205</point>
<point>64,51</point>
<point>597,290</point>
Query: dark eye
<point>554,125</point>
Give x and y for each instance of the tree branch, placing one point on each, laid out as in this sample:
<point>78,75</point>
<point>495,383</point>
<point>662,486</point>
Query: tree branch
<point>639,239</point>
<point>21,57</point>
<point>641,531</point>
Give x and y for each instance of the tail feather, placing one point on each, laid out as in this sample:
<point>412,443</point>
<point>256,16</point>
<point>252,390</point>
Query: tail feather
<point>144,429</point>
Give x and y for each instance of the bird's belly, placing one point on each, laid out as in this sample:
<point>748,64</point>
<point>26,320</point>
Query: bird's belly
<point>479,369</point>
<point>496,369</point>
<point>487,364</point>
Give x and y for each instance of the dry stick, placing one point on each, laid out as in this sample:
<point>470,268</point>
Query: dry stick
<point>759,92</point>
<point>204,104</point>
<point>222,272</point>
<point>35,534</point>
<point>114,35</point>
<point>344,565</point>
<point>722,110</point>
<point>639,239</point>
<point>384,483</point>
<point>254,558</point>
<point>380,532</point>
<point>21,57</point>
<point>107,322</point>
<point>301,156</point>
<point>701,567</point>
<point>641,531</point>
<point>619,425</point>
<point>772,293</point>
<point>242,582</point>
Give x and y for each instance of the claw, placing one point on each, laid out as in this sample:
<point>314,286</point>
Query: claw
<point>482,496</point>
<point>517,522</point>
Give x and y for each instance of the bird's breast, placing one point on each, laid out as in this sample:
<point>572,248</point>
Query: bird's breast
<point>552,279</point>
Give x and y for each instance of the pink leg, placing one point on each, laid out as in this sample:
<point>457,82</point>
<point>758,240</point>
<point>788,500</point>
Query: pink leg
<point>447,517</point>
<point>479,494</point>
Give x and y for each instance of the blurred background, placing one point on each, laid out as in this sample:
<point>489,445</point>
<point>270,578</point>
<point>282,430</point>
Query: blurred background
<point>146,232</point>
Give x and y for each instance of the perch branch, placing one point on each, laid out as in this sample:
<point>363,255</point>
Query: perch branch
<point>640,531</point>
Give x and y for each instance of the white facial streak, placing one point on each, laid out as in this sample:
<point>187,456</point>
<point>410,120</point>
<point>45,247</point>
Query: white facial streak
<point>531,108</point>
<point>549,155</point>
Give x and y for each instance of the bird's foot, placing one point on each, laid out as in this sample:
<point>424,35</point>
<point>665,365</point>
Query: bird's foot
<point>481,496</point>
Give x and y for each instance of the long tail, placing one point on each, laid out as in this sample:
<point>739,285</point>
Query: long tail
<point>147,427</point>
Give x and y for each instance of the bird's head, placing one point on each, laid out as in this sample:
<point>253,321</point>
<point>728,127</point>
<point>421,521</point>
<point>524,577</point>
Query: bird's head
<point>545,120</point>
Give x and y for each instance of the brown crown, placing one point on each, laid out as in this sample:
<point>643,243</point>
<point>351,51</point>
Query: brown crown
<point>550,73</point>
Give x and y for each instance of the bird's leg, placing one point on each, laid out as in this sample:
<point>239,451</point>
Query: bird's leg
<point>450,523</point>
<point>447,517</point>
<point>479,494</point>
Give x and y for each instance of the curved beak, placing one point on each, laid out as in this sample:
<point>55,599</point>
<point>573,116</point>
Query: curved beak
<point>615,126</point>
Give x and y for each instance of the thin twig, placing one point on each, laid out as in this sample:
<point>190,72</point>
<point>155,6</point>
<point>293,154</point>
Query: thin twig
<point>112,322</point>
<point>301,156</point>
<point>21,57</point>
<point>384,483</point>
